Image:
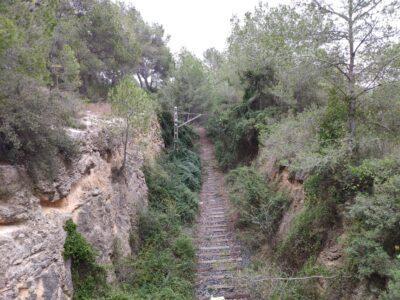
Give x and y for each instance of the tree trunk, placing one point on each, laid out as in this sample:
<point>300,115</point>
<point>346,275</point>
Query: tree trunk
<point>351,85</point>
<point>352,124</point>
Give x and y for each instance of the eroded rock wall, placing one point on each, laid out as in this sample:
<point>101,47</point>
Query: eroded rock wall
<point>292,184</point>
<point>87,189</point>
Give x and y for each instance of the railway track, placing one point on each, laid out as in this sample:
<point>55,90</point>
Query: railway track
<point>218,254</point>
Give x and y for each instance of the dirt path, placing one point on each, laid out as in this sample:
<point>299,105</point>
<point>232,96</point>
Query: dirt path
<point>217,251</point>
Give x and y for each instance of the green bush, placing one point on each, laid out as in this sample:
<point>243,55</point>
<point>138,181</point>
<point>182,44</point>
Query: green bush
<point>186,133</point>
<point>89,278</point>
<point>373,244</point>
<point>333,121</point>
<point>307,235</point>
<point>156,226</point>
<point>377,171</point>
<point>156,270</point>
<point>367,258</point>
<point>236,133</point>
<point>256,203</point>
<point>294,143</point>
<point>31,128</point>
<point>393,290</point>
<point>179,191</point>
<point>164,266</point>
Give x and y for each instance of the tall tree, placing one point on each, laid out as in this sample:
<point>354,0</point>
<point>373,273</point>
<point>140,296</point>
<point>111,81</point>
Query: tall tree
<point>282,39</point>
<point>189,87</point>
<point>156,58</point>
<point>360,47</point>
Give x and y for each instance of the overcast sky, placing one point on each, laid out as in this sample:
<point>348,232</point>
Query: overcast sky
<point>195,24</point>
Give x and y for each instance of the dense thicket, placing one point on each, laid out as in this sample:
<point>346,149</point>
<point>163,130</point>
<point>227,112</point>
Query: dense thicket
<point>314,90</point>
<point>164,265</point>
<point>54,52</point>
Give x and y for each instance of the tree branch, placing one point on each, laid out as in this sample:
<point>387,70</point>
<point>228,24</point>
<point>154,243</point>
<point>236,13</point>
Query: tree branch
<point>372,84</point>
<point>328,9</point>
<point>362,14</point>
<point>365,38</point>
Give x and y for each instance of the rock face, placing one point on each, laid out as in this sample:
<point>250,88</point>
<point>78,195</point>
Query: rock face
<point>293,186</point>
<point>89,190</point>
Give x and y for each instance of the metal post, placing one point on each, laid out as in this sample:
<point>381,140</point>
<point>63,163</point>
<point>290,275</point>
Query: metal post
<point>176,124</point>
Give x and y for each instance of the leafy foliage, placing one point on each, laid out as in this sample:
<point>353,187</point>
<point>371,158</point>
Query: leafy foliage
<point>332,127</point>
<point>190,89</point>
<point>185,165</point>
<point>31,130</point>
<point>373,245</point>
<point>236,133</point>
<point>88,277</point>
<point>186,133</point>
<point>256,203</point>
<point>132,103</point>
<point>164,265</point>
<point>307,235</point>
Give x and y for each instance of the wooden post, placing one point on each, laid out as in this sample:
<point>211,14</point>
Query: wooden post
<point>176,124</point>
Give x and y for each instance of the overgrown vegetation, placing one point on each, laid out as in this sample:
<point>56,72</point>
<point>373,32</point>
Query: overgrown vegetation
<point>373,243</point>
<point>312,89</point>
<point>54,54</point>
<point>88,278</point>
<point>164,265</point>
<point>236,131</point>
<point>257,203</point>
<point>283,107</point>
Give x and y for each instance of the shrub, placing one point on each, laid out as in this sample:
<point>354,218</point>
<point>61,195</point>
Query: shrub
<point>31,128</point>
<point>377,170</point>
<point>156,226</point>
<point>367,258</point>
<point>371,250</point>
<point>307,235</point>
<point>332,127</point>
<point>186,133</point>
<point>179,191</point>
<point>393,290</point>
<point>237,132</point>
<point>294,143</point>
<point>89,279</point>
<point>164,266</point>
<point>256,203</point>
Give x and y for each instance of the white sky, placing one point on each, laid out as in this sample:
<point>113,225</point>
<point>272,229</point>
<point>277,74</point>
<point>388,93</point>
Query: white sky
<point>195,24</point>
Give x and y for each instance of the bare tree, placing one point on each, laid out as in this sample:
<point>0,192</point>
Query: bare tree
<point>360,47</point>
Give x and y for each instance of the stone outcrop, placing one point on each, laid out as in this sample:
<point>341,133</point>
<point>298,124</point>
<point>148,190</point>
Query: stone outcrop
<point>90,190</point>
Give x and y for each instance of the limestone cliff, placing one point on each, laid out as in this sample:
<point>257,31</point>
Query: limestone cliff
<point>86,189</point>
